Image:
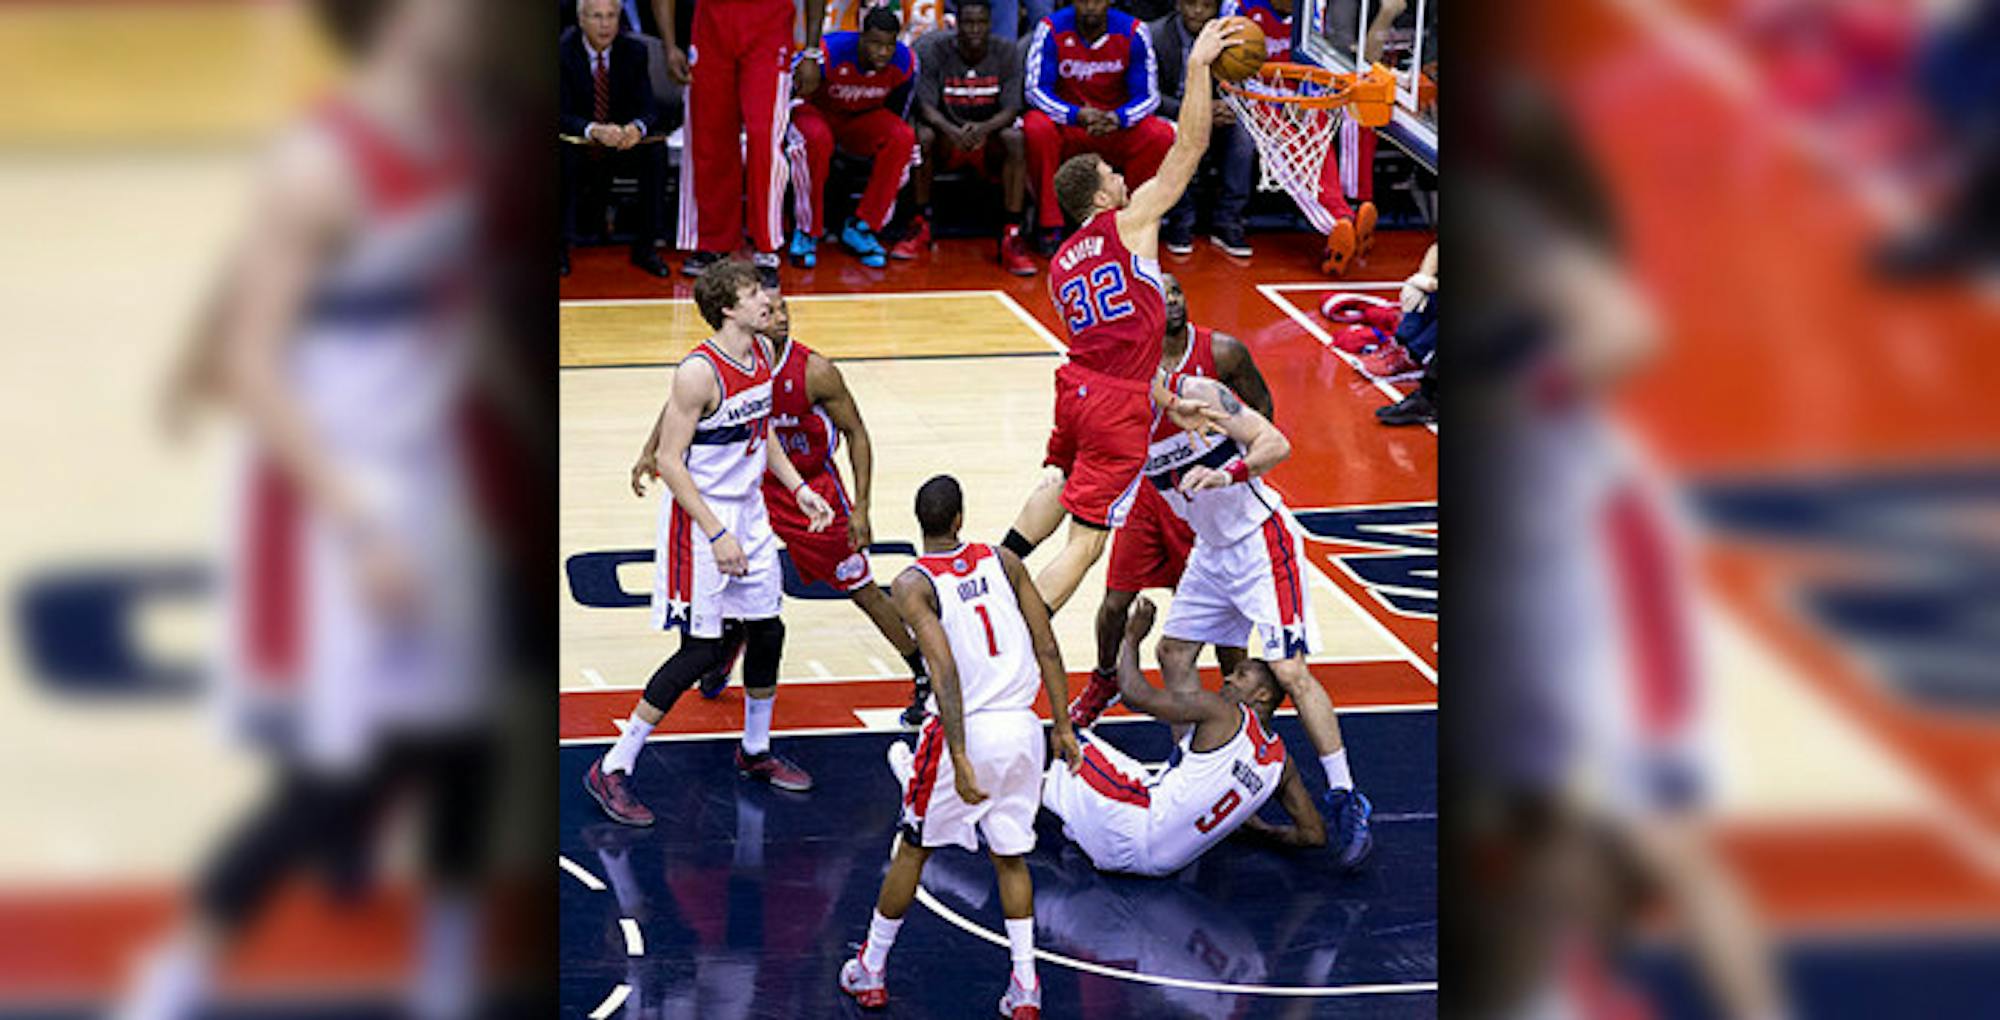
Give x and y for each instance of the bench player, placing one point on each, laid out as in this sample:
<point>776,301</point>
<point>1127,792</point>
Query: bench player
<point>1230,764</point>
<point>1151,550</point>
<point>1245,578</point>
<point>1105,282</point>
<point>811,413</point>
<point>978,765</point>
<point>716,443</point>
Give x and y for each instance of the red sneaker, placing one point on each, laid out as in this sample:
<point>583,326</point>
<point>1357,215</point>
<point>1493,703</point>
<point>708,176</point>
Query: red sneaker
<point>611,792</point>
<point>1098,695</point>
<point>866,986</point>
<point>1389,361</point>
<point>1014,256</point>
<point>1021,1003</point>
<point>770,768</point>
<point>916,241</point>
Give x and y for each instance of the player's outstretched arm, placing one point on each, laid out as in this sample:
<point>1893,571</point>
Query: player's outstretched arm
<point>917,601</point>
<point>1194,706</point>
<point>1306,829</point>
<point>1048,655</point>
<point>1238,371</point>
<point>828,388</point>
<point>1264,447</point>
<point>1152,199</point>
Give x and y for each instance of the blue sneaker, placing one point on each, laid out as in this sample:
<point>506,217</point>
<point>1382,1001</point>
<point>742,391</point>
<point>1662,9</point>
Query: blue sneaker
<point>1346,813</point>
<point>862,242</point>
<point>804,250</point>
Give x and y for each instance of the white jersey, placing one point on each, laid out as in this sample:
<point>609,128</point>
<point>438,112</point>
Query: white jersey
<point>983,623</point>
<point>1204,798</point>
<point>1222,516</point>
<point>726,456</point>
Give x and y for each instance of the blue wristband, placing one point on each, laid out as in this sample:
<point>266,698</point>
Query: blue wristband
<point>717,537</point>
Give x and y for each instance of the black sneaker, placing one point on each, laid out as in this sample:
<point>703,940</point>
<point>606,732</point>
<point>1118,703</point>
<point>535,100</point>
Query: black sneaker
<point>1178,242</point>
<point>698,261</point>
<point>767,267</point>
<point>1415,409</point>
<point>914,715</point>
<point>1231,241</point>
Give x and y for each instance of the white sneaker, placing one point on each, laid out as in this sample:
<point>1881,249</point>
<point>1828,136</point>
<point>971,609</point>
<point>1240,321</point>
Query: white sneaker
<point>867,987</point>
<point>1021,1003</point>
<point>902,762</point>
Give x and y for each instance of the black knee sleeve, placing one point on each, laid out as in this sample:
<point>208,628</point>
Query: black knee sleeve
<point>695,656</point>
<point>763,645</point>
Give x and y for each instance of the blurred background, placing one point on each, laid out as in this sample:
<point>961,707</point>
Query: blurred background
<point>1721,601</point>
<point>278,468</point>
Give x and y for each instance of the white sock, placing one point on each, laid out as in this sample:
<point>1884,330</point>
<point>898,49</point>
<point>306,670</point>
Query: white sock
<point>171,983</point>
<point>757,724</point>
<point>450,958</point>
<point>625,753</point>
<point>1337,775</point>
<point>1021,947</point>
<point>881,935</point>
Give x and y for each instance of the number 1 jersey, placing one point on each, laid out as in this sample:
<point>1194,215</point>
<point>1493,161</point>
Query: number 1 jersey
<point>983,623</point>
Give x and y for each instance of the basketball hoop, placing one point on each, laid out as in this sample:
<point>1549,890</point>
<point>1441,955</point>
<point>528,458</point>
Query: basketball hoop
<point>1292,111</point>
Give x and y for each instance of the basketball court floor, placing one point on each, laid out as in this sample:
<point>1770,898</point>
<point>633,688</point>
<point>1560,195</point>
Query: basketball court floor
<point>746,902</point>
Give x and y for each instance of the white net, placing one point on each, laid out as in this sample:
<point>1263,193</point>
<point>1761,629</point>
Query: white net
<point>1292,138</point>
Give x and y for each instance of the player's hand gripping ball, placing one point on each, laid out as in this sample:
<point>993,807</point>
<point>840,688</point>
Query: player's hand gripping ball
<point>1245,53</point>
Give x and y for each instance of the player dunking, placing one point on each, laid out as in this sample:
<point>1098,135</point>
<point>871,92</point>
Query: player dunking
<point>716,442</point>
<point>1230,764</point>
<point>1105,282</point>
<point>1151,550</point>
<point>978,765</point>
<point>1245,579</point>
<point>812,412</point>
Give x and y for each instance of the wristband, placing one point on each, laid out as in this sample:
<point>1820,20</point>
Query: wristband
<point>1238,471</point>
<point>802,484</point>
<point>717,537</point>
<point>813,55</point>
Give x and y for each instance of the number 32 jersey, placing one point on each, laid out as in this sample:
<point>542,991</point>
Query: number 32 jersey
<point>1111,301</point>
<point>983,624</point>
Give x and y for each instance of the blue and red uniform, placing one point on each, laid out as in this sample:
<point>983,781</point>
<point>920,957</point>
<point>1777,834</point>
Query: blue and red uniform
<point>866,113</point>
<point>806,433</point>
<point>1066,74</point>
<point>1115,311</point>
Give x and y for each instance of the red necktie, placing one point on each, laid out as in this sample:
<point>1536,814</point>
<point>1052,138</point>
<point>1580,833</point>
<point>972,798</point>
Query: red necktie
<point>602,110</point>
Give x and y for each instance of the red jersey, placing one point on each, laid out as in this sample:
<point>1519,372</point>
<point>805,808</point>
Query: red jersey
<point>1117,72</point>
<point>848,88</point>
<point>1197,360</point>
<point>1111,301</point>
<point>803,429</point>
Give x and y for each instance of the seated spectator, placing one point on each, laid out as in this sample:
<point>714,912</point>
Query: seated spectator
<point>1010,15</point>
<point>606,108</point>
<point>861,106</point>
<point>968,99</point>
<point>1417,332</point>
<point>1090,83</point>
<point>1231,150</point>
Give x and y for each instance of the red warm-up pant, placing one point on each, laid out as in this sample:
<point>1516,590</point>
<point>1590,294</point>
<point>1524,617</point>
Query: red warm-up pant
<point>741,82</point>
<point>887,141</point>
<point>1135,151</point>
<point>1349,170</point>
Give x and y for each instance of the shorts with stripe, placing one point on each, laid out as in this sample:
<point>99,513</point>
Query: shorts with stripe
<point>1005,749</point>
<point>1103,805</point>
<point>691,593</point>
<point>1249,594</point>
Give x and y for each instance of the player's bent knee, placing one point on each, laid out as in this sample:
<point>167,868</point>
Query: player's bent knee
<point>763,646</point>
<point>1012,140</point>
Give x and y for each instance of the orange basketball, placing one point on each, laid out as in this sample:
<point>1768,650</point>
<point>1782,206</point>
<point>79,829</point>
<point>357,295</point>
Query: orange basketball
<point>1245,55</point>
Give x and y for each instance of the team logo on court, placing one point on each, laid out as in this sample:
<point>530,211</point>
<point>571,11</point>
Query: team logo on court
<point>1390,549</point>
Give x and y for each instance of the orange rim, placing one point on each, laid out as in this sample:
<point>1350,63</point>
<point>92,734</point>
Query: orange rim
<point>1294,75</point>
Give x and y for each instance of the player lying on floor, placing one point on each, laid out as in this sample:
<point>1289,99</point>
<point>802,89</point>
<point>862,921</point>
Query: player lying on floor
<point>1230,764</point>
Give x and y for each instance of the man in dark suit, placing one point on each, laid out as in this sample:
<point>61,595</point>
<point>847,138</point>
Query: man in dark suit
<point>607,108</point>
<point>1230,149</point>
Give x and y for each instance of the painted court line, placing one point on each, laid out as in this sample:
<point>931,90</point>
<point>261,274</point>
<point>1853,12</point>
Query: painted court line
<point>1028,319</point>
<point>581,874</point>
<point>853,678</point>
<point>635,944</point>
<point>611,1002</point>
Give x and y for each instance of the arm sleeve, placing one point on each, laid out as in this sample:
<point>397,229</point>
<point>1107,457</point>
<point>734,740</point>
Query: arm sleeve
<point>1041,73</point>
<point>1142,75</point>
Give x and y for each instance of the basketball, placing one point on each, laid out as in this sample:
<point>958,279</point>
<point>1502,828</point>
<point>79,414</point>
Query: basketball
<point>1245,55</point>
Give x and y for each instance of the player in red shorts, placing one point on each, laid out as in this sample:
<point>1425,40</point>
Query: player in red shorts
<point>1105,282</point>
<point>1151,549</point>
<point>811,413</point>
